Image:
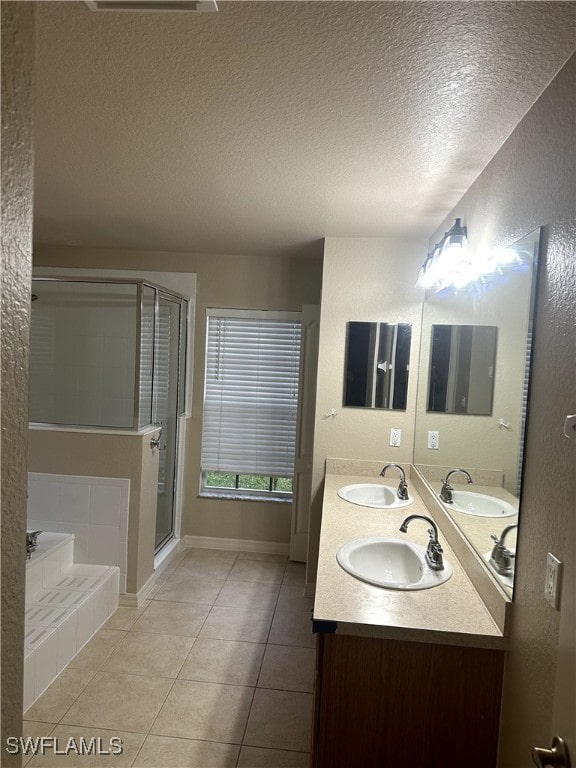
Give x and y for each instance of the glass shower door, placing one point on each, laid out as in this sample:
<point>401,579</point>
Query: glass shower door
<point>168,366</point>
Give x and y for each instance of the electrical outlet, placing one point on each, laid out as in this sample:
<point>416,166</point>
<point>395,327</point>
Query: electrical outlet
<point>395,437</point>
<point>553,580</point>
<point>433,440</point>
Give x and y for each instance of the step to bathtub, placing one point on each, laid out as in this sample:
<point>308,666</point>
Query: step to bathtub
<point>66,603</point>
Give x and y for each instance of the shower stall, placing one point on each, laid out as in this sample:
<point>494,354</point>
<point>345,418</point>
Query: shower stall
<point>110,355</point>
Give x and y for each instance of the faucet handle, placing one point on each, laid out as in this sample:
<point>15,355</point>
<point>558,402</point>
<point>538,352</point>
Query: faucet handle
<point>434,553</point>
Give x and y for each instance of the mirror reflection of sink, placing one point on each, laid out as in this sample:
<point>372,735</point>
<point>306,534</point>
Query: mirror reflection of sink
<point>471,503</point>
<point>390,563</point>
<point>372,495</point>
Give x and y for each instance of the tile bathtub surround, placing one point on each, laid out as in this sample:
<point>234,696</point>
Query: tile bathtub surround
<point>205,679</point>
<point>94,509</point>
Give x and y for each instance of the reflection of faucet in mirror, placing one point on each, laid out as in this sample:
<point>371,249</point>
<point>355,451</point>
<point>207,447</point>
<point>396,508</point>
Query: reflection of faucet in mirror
<point>434,550</point>
<point>502,559</point>
<point>446,492</point>
<point>402,491</point>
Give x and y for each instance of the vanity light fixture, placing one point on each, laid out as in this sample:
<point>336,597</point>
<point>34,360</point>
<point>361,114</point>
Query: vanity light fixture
<point>448,261</point>
<point>450,265</point>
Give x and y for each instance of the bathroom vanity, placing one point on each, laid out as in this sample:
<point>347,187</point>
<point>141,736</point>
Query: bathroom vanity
<point>403,678</point>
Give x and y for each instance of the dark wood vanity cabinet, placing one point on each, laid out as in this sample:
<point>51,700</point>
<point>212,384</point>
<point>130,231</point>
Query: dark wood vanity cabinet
<point>398,704</point>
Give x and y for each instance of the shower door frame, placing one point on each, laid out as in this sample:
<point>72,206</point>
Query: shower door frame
<point>183,370</point>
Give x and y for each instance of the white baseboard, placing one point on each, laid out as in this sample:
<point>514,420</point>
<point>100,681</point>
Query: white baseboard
<point>135,599</point>
<point>240,545</point>
<point>161,562</point>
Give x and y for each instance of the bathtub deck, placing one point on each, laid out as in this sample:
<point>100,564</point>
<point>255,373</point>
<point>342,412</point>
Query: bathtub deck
<point>66,603</point>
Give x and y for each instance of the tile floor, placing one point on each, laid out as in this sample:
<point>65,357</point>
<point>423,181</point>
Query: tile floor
<point>215,670</point>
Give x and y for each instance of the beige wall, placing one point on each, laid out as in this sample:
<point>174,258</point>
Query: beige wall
<point>17,179</point>
<point>531,181</point>
<point>243,282</point>
<point>101,455</point>
<point>367,279</point>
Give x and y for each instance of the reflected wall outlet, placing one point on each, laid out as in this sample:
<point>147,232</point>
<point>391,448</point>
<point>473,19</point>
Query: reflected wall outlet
<point>553,580</point>
<point>395,437</point>
<point>434,440</point>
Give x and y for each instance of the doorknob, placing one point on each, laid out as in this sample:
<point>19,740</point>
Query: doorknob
<point>556,757</point>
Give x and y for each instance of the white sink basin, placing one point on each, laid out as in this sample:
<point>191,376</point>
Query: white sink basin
<point>390,563</point>
<point>471,503</point>
<point>373,495</point>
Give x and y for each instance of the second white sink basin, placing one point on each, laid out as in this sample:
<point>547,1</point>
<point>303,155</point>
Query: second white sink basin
<point>471,503</point>
<point>390,563</point>
<point>372,495</point>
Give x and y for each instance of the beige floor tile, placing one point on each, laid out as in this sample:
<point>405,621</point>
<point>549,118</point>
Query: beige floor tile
<point>170,752</point>
<point>291,598</point>
<point>173,564</point>
<point>288,668</point>
<point>130,744</point>
<point>97,650</point>
<point>258,570</point>
<point>223,661</point>
<point>295,574</point>
<point>122,702</point>
<point>269,556</point>
<point>125,616</point>
<point>292,628</point>
<point>257,757</point>
<point>251,625</point>
<point>32,729</point>
<point>184,588</point>
<point>216,568</point>
<point>56,700</point>
<point>280,720</point>
<point>149,654</point>
<point>248,594</point>
<point>164,617</point>
<point>206,711</point>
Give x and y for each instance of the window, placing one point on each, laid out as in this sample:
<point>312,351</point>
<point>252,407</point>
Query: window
<point>250,403</point>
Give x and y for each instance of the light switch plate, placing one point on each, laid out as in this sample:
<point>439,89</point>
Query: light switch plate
<point>553,581</point>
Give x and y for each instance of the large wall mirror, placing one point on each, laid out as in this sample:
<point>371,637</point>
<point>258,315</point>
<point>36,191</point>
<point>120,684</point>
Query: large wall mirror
<point>485,439</point>
<point>376,365</point>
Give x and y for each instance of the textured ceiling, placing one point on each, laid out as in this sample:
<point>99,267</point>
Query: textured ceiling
<point>267,126</point>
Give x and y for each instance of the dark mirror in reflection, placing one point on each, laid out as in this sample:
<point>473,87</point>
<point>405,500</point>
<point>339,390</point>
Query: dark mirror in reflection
<point>377,365</point>
<point>462,362</point>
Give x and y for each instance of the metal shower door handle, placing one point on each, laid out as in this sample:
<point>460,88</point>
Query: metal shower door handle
<point>556,757</point>
<point>155,441</point>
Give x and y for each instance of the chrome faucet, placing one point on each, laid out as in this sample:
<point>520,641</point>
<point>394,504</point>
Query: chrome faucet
<point>31,542</point>
<point>446,492</point>
<point>402,491</point>
<point>501,559</point>
<point>434,550</point>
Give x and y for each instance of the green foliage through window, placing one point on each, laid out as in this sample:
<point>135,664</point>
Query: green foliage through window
<point>275,485</point>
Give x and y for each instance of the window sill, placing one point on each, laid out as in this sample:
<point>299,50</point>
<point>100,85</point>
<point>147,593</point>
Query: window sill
<point>243,497</point>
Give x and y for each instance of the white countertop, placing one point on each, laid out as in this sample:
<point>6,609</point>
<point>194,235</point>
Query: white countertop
<point>452,613</point>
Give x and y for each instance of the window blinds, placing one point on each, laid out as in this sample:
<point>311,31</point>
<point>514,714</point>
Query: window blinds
<point>251,393</point>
